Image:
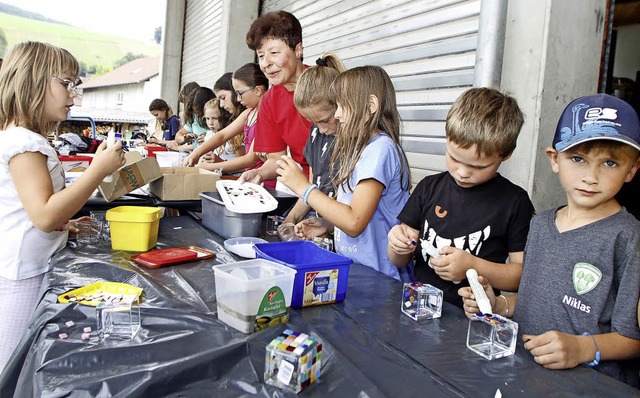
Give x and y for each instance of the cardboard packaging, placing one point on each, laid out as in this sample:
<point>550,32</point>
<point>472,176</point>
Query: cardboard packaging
<point>136,172</point>
<point>183,183</point>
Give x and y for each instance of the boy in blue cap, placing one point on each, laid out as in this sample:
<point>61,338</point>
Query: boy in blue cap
<point>578,296</point>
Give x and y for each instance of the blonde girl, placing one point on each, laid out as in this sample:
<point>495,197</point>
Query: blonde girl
<point>372,174</point>
<point>216,120</point>
<point>37,89</point>
<point>313,100</point>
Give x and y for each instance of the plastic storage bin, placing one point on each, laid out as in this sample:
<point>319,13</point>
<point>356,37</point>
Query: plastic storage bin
<point>254,294</point>
<point>322,275</point>
<point>134,228</point>
<point>153,149</point>
<point>226,223</point>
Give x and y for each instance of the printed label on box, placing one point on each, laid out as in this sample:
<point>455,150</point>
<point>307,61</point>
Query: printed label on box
<point>320,287</point>
<point>272,310</point>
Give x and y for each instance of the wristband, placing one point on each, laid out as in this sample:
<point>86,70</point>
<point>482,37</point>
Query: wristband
<point>307,191</point>
<point>596,361</point>
<point>506,306</point>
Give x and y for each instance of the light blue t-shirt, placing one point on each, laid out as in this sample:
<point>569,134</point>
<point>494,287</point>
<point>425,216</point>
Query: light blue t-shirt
<point>379,161</point>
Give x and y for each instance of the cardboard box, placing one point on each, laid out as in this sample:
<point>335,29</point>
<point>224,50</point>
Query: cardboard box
<point>137,172</point>
<point>183,183</point>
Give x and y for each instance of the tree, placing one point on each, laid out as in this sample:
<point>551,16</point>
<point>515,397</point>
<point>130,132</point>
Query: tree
<point>157,34</point>
<point>128,58</point>
<point>3,43</point>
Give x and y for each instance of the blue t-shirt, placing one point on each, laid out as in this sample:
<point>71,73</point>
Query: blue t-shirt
<point>379,161</point>
<point>170,127</point>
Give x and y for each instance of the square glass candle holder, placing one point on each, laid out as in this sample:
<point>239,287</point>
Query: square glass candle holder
<point>293,361</point>
<point>119,318</point>
<point>421,301</point>
<point>492,336</point>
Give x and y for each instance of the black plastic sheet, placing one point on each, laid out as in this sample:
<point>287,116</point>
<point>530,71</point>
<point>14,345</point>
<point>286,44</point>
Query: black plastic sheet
<point>371,348</point>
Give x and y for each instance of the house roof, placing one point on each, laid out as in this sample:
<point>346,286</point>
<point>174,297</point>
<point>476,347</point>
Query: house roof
<point>112,115</point>
<point>137,71</point>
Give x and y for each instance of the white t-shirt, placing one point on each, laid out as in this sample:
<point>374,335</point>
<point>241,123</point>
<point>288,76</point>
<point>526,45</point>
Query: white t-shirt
<point>25,249</point>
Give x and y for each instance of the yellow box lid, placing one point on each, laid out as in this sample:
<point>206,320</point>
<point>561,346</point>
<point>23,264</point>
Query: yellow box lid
<point>134,214</point>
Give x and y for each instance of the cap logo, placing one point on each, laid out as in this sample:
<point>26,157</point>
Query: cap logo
<point>601,113</point>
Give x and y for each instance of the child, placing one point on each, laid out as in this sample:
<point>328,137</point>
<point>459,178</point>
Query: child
<point>580,284</point>
<point>167,124</point>
<point>37,89</point>
<point>194,126</point>
<point>372,174</point>
<point>469,216</point>
<point>313,100</point>
<point>217,119</point>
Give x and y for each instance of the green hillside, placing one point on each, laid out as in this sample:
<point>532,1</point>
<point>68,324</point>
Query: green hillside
<point>88,47</point>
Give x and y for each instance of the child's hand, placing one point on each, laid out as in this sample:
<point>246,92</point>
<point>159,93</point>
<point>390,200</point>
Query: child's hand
<point>469,303</point>
<point>290,175</point>
<point>402,239</point>
<point>555,350</point>
<point>253,176</point>
<point>108,160</point>
<point>312,227</point>
<point>453,264</point>
<point>72,227</point>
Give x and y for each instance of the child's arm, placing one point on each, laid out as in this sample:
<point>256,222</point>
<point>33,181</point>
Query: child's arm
<point>555,350</point>
<point>402,244</point>
<point>233,165</point>
<point>299,209</point>
<point>454,263</point>
<point>236,127</point>
<point>352,219</point>
<point>48,210</point>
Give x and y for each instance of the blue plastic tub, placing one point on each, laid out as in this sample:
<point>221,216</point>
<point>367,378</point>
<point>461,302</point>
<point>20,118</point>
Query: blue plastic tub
<point>322,275</point>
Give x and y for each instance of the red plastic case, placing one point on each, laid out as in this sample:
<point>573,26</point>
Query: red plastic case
<point>172,255</point>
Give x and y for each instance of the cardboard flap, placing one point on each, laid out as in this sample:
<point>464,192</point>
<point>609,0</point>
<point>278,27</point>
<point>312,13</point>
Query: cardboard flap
<point>136,172</point>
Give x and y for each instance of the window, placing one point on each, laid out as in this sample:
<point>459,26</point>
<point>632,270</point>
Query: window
<point>119,98</point>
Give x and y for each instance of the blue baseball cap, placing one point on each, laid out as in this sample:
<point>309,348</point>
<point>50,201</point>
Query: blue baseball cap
<point>597,117</point>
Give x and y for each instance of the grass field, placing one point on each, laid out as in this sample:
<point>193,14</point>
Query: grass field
<point>88,47</point>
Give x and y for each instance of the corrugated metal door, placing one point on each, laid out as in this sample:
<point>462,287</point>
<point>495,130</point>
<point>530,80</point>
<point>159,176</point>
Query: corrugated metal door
<point>201,45</point>
<point>427,47</point>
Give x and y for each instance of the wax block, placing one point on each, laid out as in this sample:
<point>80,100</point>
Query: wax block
<point>492,336</point>
<point>421,301</point>
<point>293,361</point>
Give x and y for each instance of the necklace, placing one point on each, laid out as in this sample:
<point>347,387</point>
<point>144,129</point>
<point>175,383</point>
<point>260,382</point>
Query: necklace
<point>253,116</point>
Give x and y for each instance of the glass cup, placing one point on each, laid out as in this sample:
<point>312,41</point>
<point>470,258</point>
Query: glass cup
<point>89,231</point>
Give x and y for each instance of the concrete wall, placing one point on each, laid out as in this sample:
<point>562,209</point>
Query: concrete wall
<point>171,60</point>
<point>551,56</point>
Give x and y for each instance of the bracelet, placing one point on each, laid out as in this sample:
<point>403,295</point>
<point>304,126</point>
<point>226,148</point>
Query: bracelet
<point>506,306</point>
<point>596,360</point>
<point>307,191</point>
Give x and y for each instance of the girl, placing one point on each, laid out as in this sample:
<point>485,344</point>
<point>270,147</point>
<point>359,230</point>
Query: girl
<point>167,124</point>
<point>186,138</point>
<point>313,101</point>
<point>372,173</point>
<point>250,84</point>
<point>217,119</point>
<point>37,89</point>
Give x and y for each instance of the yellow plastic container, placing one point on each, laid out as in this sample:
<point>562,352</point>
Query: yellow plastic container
<point>134,228</point>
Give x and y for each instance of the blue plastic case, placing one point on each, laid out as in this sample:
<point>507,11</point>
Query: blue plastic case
<point>322,275</point>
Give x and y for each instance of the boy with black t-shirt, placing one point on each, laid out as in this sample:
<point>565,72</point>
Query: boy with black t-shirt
<point>469,216</point>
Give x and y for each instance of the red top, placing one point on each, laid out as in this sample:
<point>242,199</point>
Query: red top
<point>280,125</point>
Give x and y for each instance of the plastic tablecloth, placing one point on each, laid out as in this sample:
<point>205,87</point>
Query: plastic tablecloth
<point>371,349</point>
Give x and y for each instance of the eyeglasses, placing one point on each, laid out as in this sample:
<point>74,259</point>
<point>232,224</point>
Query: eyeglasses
<point>241,93</point>
<point>71,85</point>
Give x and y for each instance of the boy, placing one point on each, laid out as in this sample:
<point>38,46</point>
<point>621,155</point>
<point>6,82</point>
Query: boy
<point>578,296</point>
<point>469,216</point>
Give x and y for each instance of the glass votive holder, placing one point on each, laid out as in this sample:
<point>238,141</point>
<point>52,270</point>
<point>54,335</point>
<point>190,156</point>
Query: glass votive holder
<point>492,336</point>
<point>273,222</point>
<point>293,361</point>
<point>421,301</point>
<point>101,216</point>
<point>325,243</point>
<point>119,318</point>
<point>89,231</point>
